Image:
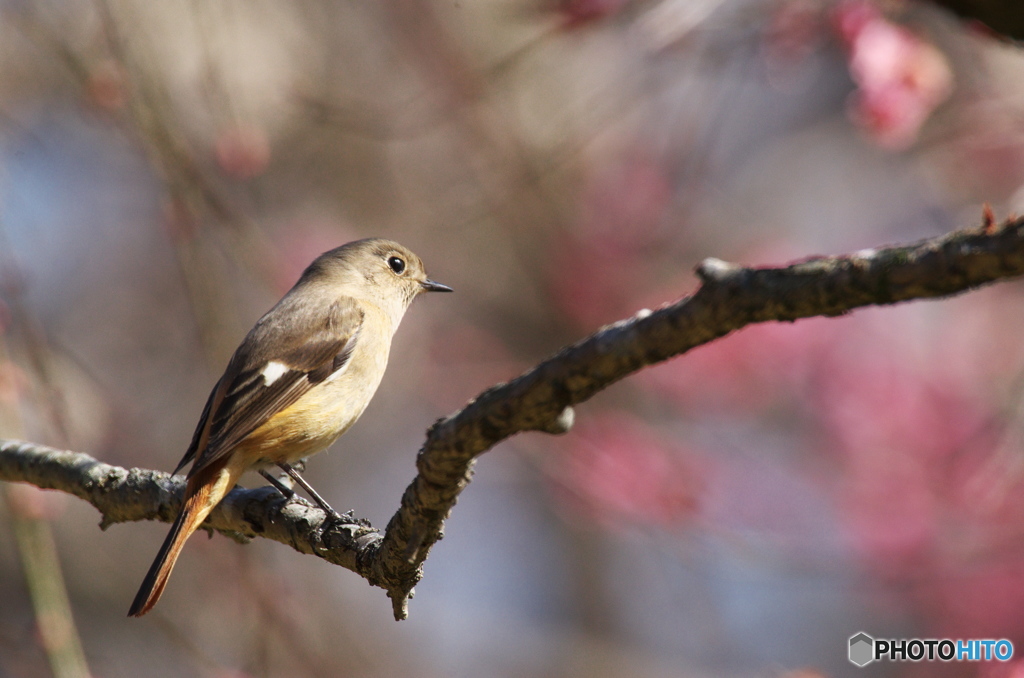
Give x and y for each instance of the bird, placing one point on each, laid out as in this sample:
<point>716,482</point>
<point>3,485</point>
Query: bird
<point>301,377</point>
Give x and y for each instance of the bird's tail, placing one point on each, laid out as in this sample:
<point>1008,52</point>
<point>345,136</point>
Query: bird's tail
<point>202,494</point>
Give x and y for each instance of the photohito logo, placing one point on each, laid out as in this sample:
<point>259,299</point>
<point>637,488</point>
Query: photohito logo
<point>863,649</point>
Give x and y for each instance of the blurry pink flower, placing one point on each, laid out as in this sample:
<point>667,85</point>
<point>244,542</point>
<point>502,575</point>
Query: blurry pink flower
<point>908,439</point>
<point>900,77</point>
<point>589,289</point>
<point>600,266</point>
<point>851,16</point>
<point>1011,669</point>
<point>794,29</point>
<point>618,472</point>
<point>983,600</point>
<point>243,151</point>
<point>750,370</point>
<point>884,405</point>
<point>892,515</point>
<point>622,204</point>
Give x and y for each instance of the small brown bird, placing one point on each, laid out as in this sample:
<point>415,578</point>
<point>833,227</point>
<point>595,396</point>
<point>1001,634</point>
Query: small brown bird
<point>302,376</point>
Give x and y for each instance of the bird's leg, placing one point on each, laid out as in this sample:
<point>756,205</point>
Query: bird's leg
<point>288,492</point>
<point>317,499</point>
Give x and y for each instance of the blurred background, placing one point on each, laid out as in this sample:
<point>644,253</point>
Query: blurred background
<point>168,169</point>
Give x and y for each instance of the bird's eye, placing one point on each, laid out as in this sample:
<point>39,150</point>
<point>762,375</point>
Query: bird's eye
<point>397,264</point>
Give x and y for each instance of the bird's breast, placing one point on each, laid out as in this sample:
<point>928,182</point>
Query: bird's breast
<point>329,409</point>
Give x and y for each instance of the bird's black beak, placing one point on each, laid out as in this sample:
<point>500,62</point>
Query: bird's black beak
<point>431,286</point>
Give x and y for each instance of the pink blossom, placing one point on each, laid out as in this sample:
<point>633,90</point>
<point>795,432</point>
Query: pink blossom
<point>600,264</point>
<point>885,405</point>
<point>750,370</point>
<point>617,471</point>
<point>1011,669</point>
<point>900,77</point>
<point>977,600</point>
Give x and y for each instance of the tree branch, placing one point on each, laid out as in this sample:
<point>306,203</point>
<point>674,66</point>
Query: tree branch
<point>730,297</point>
<point>1003,17</point>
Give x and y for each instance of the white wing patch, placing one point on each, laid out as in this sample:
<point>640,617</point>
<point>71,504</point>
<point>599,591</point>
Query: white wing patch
<point>273,371</point>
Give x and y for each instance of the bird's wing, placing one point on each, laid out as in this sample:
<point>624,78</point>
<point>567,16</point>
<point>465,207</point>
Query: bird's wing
<point>259,384</point>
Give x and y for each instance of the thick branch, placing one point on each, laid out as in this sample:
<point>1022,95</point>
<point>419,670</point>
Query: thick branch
<point>124,495</point>
<point>729,298</point>
<point>1004,17</point>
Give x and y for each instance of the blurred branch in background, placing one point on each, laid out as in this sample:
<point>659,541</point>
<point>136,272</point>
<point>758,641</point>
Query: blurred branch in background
<point>1004,17</point>
<point>128,88</point>
<point>730,297</point>
<point>58,635</point>
<point>31,512</point>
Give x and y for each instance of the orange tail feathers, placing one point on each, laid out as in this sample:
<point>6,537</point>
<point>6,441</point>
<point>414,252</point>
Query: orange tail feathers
<point>202,494</point>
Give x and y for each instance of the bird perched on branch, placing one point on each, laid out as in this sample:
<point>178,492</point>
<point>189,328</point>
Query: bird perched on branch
<point>302,376</point>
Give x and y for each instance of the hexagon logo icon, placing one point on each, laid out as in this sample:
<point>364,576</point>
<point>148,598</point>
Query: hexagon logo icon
<point>862,649</point>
